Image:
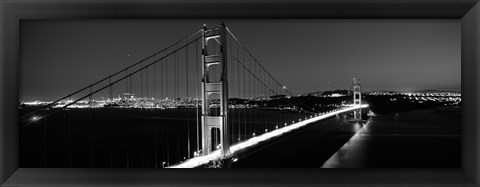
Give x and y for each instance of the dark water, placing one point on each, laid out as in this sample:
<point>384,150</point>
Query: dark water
<point>134,138</point>
<point>422,138</point>
<point>415,139</point>
<point>128,138</point>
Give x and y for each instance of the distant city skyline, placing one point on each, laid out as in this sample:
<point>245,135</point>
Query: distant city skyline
<point>58,57</point>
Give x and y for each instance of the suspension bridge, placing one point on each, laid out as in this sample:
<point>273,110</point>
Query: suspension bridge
<point>204,98</point>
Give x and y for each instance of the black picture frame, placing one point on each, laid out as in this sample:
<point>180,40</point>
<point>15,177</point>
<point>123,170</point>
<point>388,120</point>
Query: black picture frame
<point>468,11</point>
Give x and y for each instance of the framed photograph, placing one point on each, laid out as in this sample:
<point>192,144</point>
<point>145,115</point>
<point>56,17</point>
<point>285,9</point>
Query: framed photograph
<point>280,93</point>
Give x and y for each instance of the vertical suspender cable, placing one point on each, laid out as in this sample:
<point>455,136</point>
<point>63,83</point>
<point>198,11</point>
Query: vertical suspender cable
<point>270,122</point>
<point>176,71</point>
<point>110,89</point>
<point>128,125</point>
<point>264,93</point>
<point>167,94</point>
<point>270,107</point>
<point>244,94</point>
<point>239,119</point>
<point>166,78</point>
<point>130,84</point>
<point>126,82</point>
<point>147,81</point>
<point>161,80</point>
<point>278,116</point>
<point>176,96</point>
<point>232,75</point>
<point>163,61</point>
<point>230,88</point>
<point>144,104</point>
<point>110,123</point>
<point>256,99</point>
<point>155,96</point>
<point>188,116</point>
<point>250,96</point>
<point>196,94</point>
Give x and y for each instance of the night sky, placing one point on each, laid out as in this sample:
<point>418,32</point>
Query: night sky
<point>61,56</point>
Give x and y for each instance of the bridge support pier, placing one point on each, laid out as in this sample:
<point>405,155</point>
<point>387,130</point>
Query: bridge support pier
<point>215,90</point>
<point>357,98</point>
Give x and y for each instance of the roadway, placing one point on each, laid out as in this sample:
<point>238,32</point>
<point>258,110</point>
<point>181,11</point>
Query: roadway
<point>264,139</point>
<point>309,147</point>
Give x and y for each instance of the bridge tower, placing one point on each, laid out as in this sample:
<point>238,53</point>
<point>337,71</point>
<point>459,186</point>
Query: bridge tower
<point>214,90</point>
<point>357,98</point>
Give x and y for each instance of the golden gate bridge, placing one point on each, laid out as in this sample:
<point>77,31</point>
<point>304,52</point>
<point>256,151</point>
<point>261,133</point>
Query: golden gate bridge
<point>209,72</point>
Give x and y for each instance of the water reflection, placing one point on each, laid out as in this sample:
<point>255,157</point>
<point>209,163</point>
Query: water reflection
<point>339,159</point>
<point>415,139</point>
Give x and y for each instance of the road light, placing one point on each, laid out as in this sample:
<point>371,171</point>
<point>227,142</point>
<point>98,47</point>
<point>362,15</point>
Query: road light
<point>35,118</point>
<point>163,164</point>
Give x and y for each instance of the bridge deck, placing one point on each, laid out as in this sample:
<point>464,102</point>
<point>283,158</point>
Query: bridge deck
<point>215,155</point>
